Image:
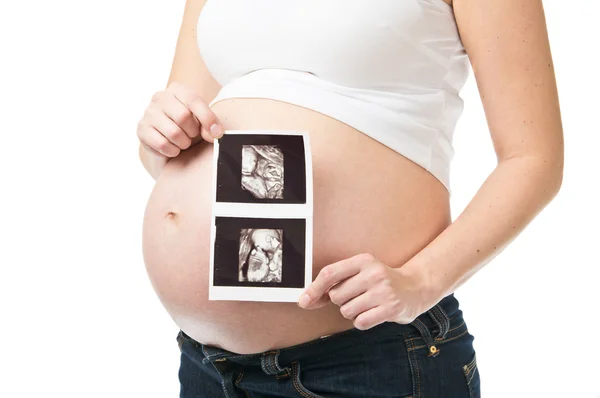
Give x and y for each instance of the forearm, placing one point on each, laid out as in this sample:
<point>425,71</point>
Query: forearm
<point>514,193</point>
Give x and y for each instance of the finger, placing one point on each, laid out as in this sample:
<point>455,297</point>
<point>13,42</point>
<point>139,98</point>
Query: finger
<point>208,120</point>
<point>151,150</point>
<point>371,318</point>
<point>150,137</point>
<point>182,116</point>
<point>348,289</point>
<point>168,128</point>
<point>330,275</point>
<point>358,305</point>
<point>321,302</point>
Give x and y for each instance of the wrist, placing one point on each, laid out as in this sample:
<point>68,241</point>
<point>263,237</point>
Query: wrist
<point>428,284</point>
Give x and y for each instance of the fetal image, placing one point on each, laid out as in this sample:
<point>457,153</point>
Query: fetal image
<point>262,171</point>
<point>261,255</point>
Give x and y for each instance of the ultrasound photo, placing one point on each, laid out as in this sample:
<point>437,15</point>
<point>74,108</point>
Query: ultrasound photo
<point>262,171</point>
<point>261,255</point>
<point>269,253</point>
<point>262,216</point>
<point>262,168</point>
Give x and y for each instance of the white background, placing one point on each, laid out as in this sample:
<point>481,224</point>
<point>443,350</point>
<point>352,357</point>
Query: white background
<point>79,316</point>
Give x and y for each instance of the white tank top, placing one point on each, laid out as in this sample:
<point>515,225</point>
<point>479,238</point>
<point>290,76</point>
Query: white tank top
<point>391,69</point>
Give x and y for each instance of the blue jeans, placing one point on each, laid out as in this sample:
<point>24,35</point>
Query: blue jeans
<point>429,358</point>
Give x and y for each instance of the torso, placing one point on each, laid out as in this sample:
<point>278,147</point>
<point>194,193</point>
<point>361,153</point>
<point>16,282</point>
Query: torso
<point>367,198</point>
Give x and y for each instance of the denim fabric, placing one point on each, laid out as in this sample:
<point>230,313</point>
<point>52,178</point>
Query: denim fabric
<point>431,357</point>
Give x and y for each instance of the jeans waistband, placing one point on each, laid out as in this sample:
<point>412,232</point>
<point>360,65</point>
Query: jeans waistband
<point>436,320</point>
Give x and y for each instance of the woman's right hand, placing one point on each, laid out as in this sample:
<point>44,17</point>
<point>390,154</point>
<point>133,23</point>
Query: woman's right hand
<point>175,119</point>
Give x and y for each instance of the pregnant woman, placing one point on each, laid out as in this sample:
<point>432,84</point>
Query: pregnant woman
<point>376,85</point>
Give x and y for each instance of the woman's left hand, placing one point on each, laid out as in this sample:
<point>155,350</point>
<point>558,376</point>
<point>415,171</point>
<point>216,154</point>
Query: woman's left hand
<point>370,292</point>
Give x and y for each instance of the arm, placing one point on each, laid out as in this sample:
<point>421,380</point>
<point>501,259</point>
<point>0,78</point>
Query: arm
<point>187,68</point>
<point>508,46</point>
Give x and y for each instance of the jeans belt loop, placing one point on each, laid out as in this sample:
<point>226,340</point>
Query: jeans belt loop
<point>441,319</point>
<point>269,362</point>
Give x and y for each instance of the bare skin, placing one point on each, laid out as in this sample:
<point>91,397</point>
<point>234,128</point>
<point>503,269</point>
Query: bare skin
<point>398,209</point>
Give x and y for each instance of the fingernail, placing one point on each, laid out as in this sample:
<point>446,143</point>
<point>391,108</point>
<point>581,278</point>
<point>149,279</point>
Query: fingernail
<point>215,130</point>
<point>304,300</point>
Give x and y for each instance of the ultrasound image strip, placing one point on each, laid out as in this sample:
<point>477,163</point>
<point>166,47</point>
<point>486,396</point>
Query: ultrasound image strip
<point>261,238</point>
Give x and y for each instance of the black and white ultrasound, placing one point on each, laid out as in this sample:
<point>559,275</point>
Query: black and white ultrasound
<point>262,216</point>
<point>262,171</point>
<point>261,255</point>
<point>255,168</point>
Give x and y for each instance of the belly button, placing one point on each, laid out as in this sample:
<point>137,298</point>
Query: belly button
<point>172,216</point>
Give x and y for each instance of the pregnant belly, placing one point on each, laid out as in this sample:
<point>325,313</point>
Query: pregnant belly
<point>367,198</point>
